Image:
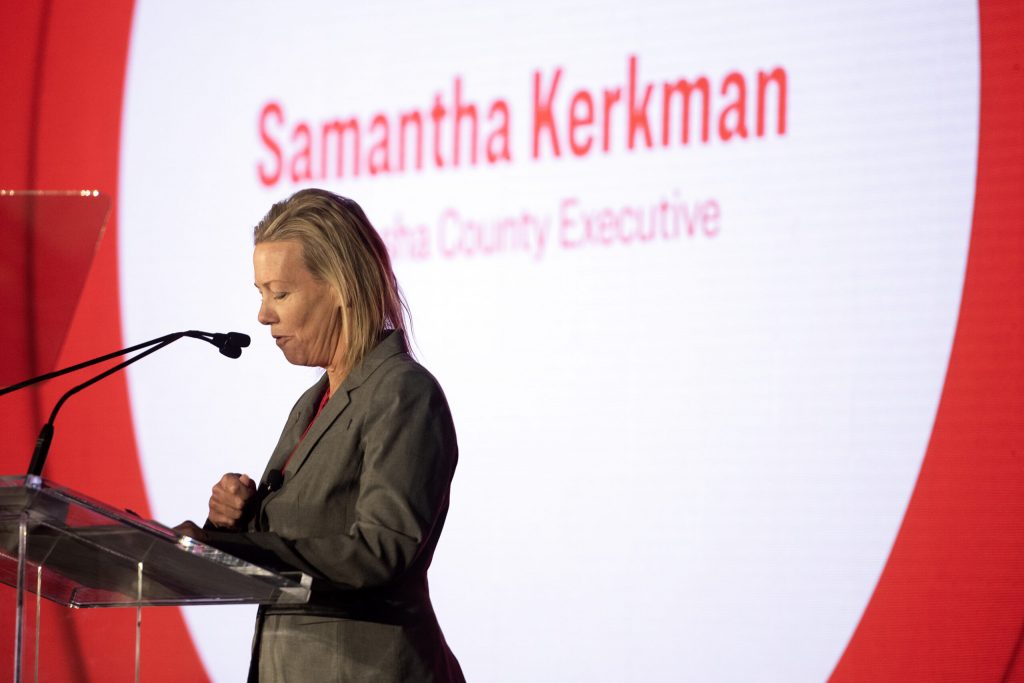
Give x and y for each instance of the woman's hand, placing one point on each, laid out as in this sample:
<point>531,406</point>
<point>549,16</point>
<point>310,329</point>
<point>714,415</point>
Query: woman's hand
<point>190,529</point>
<point>230,501</point>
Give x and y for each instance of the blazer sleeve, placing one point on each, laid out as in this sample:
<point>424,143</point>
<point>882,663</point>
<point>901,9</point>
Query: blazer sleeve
<point>409,454</point>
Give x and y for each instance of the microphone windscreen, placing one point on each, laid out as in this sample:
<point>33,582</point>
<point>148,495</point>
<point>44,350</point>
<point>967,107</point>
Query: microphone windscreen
<point>230,351</point>
<point>238,339</point>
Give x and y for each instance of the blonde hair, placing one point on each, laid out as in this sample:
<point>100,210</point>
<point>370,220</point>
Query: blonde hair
<point>340,247</point>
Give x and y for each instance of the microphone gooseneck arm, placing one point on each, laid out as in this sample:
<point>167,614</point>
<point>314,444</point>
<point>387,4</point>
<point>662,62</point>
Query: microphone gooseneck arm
<point>229,344</point>
<point>46,433</point>
<point>85,364</point>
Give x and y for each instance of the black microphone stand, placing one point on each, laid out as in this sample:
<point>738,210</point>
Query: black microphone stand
<point>94,361</point>
<point>230,345</point>
<point>46,433</point>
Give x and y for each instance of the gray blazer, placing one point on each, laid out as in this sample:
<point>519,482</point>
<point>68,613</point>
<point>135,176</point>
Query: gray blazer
<point>361,507</point>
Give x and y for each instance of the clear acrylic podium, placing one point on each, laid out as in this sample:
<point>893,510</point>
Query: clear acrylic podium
<point>66,547</point>
<point>58,544</point>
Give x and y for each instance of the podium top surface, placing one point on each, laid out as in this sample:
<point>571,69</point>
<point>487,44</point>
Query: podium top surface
<point>81,552</point>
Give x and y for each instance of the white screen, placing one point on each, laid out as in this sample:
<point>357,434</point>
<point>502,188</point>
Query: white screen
<point>683,457</point>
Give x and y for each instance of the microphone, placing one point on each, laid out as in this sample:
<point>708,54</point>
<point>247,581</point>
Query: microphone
<point>230,345</point>
<point>273,482</point>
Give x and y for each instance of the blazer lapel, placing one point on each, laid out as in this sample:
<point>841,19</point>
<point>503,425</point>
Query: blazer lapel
<point>298,420</point>
<point>335,406</point>
<point>392,344</point>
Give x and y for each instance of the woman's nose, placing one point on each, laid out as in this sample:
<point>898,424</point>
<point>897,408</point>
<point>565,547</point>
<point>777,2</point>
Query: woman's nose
<point>265,316</point>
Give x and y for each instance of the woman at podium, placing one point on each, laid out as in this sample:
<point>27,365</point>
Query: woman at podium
<point>356,491</point>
